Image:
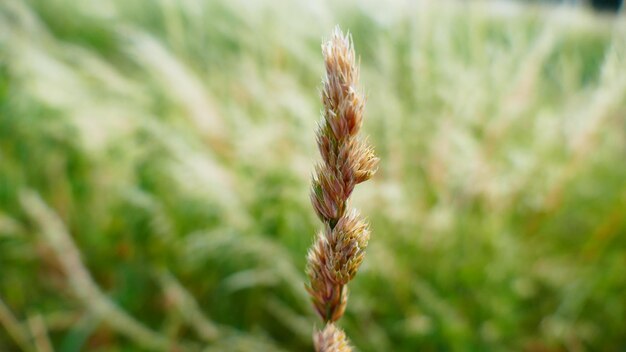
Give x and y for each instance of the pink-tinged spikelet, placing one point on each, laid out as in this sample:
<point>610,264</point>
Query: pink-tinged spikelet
<point>347,161</point>
<point>331,339</point>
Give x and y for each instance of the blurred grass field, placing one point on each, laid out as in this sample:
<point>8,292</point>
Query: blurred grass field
<point>170,144</point>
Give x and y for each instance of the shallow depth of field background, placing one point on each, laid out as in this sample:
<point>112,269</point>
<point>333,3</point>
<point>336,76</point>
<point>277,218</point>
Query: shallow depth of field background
<point>155,160</point>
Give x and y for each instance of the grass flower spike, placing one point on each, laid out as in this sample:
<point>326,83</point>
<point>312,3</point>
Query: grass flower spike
<point>347,160</point>
<point>331,339</point>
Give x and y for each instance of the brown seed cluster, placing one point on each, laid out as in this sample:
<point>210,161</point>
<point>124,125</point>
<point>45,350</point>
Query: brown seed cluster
<point>331,339</point>
<point>347,161</point>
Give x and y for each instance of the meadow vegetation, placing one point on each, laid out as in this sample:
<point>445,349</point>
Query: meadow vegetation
<point>156,156</point>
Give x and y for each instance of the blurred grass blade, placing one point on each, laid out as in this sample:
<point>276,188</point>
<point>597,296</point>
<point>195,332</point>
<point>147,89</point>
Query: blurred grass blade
<point>55,234</point>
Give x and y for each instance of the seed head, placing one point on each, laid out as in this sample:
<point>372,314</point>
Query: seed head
<point>347,160</point>
<point>329,297</point>
<point>331,339</point>
<point>346,246</point>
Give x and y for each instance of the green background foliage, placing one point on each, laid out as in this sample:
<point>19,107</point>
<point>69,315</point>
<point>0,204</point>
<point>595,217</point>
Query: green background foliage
<point>175,141</point>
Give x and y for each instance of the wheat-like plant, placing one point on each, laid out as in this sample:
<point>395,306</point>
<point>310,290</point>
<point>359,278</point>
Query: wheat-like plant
<point>331,339</point>
<point>347,160</point>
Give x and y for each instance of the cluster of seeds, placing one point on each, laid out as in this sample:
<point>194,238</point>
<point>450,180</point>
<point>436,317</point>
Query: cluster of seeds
<point>347,160</point>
